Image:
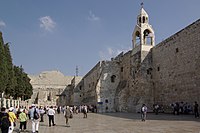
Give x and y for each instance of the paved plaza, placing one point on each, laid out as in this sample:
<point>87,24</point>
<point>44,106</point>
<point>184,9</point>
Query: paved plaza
<point>121,123</point>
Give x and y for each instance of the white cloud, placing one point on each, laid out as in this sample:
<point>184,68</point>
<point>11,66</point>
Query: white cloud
<point>2,23</point>
<point>93,17</point>
<point>47,23</point>
<point>111,52</point>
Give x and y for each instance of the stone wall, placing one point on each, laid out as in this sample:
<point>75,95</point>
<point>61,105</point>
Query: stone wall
<point>89,83</point>
<point>106,86</point>
<point>48,86</point>
<point>176,71</point>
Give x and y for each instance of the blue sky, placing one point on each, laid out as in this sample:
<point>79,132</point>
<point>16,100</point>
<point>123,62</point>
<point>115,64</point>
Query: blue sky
<point>60,35</point>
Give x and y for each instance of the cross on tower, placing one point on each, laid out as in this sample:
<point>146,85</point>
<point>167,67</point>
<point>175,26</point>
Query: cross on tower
<point>142,4</point>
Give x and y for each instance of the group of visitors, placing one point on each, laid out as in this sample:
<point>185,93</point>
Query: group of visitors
<point>183,108</point>
<point>177,109</point>
<point>9,118</point>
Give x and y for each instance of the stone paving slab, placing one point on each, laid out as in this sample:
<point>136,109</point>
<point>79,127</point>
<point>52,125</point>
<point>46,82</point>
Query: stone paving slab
<point>121,123</point>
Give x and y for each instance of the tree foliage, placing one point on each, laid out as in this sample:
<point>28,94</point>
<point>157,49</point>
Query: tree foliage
<point>23,88</point>
<point>3,69</point>
<point>13,80</point>
<point>9,90</point>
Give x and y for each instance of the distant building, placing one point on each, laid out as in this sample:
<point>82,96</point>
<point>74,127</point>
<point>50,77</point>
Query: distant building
<point>48,86</point>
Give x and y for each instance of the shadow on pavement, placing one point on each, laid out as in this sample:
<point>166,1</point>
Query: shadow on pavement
<point>152,116</point>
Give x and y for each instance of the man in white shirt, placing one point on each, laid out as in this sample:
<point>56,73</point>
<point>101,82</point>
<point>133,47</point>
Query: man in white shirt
<point>35,121</point>
<point>51,112</point>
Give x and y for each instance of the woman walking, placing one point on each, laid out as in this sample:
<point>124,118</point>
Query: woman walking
<point>67,114</point>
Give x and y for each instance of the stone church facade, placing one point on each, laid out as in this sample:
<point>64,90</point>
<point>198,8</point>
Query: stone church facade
<point>152,74</point>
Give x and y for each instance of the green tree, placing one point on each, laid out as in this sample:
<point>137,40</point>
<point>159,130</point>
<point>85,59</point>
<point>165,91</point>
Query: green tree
<point>28,87</point>
<point>23,88</point>
<point>3,70</point>
<point>19,88</point>
<point>9,90</point>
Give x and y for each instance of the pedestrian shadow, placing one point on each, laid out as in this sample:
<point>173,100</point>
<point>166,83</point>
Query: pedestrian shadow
<point>45,125</point>
<point>18,131</point>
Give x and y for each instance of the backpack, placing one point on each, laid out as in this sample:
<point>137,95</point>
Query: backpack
<point>4,121</point>
<point>35,115</point>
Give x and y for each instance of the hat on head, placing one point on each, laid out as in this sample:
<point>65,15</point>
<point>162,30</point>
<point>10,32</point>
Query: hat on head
<point>11,109</point>
<point>33,105</point>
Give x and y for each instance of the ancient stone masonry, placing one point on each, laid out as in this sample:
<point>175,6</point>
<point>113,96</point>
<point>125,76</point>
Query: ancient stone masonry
<point>47,87</point>
<point>176,67</point>
<point>166,73</point>
<point>163,74</point>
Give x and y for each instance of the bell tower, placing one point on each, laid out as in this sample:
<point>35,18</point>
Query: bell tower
<point>143,38</point>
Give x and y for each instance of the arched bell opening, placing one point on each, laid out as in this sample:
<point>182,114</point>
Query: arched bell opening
<point>137,38</point>
<point>148,37</point>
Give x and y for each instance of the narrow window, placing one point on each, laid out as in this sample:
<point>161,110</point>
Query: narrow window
<point>80,95</point>
<point>113,78</point>
<point>158,68</point>
<point>122,69</point>
<point>143,19</point>
<point>106,101</point>
<point>177,50</point>
<point>49,97</point>
<point>148,71</point>
<point>140,20</point>
<point>80,87</point>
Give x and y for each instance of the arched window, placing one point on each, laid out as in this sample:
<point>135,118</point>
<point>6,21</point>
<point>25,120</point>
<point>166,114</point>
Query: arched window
<point>140,20</point>
<point>148,37</point>
<point>137,38</point>
<point>143,19</point>
<point>113,77</point>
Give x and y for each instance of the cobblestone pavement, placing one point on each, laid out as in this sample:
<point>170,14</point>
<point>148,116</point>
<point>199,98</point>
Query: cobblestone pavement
<point>121,123</point>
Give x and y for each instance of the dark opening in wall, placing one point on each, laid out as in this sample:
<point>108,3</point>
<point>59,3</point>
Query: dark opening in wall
<point>177,50</point>
<point>106,101</point>
<point>143,19</point>
<point>158,68</point>
<point>140,19</point>
<point>113,77</point>
<point>148,72</point>
<point>80,95</point>
<point>49,98</point>
<point>80,87</point>
<point>122,69</point>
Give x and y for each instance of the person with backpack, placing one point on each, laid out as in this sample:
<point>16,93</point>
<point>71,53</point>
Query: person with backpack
<point>143,112</point>
<point>22,118</point>
<point>12,118</point>
<point>4,121</point>
<point>35,115</point>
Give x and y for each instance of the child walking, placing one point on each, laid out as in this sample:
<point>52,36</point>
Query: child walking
<point>23,119</point>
